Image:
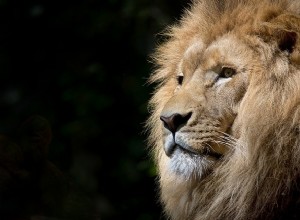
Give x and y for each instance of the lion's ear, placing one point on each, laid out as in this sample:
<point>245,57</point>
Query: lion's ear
<point>284,30</point>
<point>287,40</point>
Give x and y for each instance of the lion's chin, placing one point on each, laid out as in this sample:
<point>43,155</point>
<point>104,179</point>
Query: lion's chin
<point>189,164</point>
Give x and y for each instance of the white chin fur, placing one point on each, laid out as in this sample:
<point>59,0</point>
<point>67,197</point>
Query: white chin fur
<point>189,165</point>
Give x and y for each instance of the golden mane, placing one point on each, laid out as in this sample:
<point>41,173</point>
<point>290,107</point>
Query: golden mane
<point>258,178</point>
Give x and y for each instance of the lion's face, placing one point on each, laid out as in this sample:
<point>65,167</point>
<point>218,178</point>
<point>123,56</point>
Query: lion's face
<point>207,89</point>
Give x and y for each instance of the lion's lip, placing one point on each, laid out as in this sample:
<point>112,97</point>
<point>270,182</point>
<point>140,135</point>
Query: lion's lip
<point>206,151</point>
<point>187,150</point>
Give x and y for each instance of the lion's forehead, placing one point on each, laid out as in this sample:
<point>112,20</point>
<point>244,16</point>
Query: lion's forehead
<point>226,50</point>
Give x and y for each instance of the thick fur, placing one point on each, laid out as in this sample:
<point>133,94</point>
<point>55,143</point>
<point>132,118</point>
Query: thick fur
<point>257,177</point>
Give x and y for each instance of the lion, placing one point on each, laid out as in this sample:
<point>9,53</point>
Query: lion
<point>225,113</point>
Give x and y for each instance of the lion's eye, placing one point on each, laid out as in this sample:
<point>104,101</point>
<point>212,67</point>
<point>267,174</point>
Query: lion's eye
<point>180,79</point>
<point>227,72</point>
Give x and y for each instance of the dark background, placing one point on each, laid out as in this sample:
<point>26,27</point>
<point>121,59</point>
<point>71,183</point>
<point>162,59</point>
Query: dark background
<point>83,65</point>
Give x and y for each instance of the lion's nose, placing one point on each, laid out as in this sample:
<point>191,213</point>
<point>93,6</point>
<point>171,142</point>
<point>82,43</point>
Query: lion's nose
<point>173,122</point>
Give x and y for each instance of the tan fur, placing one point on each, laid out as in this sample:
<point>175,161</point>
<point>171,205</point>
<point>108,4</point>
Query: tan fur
<point>252,120</point>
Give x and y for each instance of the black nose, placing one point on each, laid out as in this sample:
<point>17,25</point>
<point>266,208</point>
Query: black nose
<point>173,122</point>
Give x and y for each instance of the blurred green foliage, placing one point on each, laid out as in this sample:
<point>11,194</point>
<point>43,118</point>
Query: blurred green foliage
<point>84,65</point>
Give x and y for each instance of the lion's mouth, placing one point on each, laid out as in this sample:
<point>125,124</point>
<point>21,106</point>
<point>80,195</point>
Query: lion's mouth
<point>205,152</point>
<point>185,150</point>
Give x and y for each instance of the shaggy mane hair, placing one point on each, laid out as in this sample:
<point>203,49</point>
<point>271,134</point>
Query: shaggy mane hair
<point>259,178</point>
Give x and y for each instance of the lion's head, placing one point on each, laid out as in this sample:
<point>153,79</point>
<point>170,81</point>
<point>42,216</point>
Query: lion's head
<point>225,116</point>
